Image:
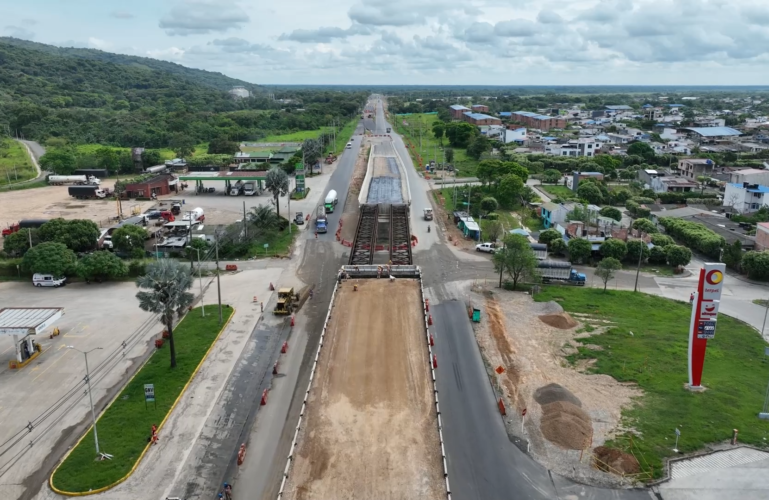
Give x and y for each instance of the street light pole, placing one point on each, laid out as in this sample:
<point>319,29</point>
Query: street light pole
<point>638,269</point>
<point>90,397</point>
<point>200,280</point>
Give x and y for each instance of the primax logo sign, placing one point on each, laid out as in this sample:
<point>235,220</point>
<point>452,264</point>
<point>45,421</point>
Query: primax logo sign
<point>703,321</point>
<point>714,282</point>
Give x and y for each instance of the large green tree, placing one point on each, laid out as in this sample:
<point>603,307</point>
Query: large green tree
<point>612,213</point>
<point>50,258</point>
<point>439,130</point>
<point>182,144</point>
<point>678,255</point>
<point>549,235</point>
<point>645,225</point>
<point>510,187</point>
<point>580,250</point>
<point>59,161</point>
<point>460,134</point>
<point>551,176</point>
<point>222,146</point>
<point>100,266</point>
<point>477,146</point>
<point>637,249</point>
<point>488,171</point>
<point>130,239</point>
<point>165,292</point>
<point>589,192</point>
<point>79,235</point>
<point>17,244</point>
<point>614,248</point>
<point>449,154</point>
<point>516,259</point>
<point>733,255</point>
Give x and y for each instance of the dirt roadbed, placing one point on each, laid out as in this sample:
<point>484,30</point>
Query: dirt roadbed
<point>371,424</point>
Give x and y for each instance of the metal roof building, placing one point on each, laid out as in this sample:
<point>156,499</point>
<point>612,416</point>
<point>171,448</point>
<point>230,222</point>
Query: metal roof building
<point>619,107</point>
<point>713,131</point>
<point>27,320</point>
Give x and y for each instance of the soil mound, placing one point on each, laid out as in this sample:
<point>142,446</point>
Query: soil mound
<point>553,393</point>
<point>561,320</point>
<point>566,425</point>
<point>616,461</point>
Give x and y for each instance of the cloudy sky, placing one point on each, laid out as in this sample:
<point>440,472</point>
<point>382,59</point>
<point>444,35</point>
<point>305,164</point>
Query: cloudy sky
<point>474,42</point>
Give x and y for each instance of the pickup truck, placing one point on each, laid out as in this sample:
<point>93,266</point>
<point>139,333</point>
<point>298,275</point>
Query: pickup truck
<point>485,247</point>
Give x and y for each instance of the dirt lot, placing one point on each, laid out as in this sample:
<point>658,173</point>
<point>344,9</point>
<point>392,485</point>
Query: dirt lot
<point>446,222</point>
<point>371,429</point>
<point>581,412</point>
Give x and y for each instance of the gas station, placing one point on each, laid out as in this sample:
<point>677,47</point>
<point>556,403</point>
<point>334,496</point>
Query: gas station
<point>229,177</point>
<point>23,324</point>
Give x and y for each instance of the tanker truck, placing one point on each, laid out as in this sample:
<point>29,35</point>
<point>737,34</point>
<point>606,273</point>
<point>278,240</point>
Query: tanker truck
<point>81,180</point>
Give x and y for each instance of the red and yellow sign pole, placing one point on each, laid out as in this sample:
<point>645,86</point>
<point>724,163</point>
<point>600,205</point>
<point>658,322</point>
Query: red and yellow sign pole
<point>703,321</point>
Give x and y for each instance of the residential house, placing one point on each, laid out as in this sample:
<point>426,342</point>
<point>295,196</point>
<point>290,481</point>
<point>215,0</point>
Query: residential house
<point>573,181</point>
<point>457,110</point>
<point>673,184</point>
<point>751,176</point>
<point>160,185</point>
<point>480,119</point>
<point>554,213</point>
<point>480,108</point>
<point>695,167</point>
<point>652,113</point>
<point>709,135</point>
<point>762,236</point>
<point>575,147</point>
<point>746,198</point>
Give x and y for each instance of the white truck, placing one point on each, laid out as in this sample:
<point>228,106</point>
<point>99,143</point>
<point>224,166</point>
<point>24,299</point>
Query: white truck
<point>81,180</point>
<point>331,201</point>
<point>235,188</point>
<point>195,215</point>
<point>249,188</point>
<point>485,247</point>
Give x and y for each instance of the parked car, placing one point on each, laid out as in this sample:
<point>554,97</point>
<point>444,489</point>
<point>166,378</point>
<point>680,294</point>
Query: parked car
<point>153,214</point>
<point>299,219</point>
<point>48,280</point>
<point>485,247</point>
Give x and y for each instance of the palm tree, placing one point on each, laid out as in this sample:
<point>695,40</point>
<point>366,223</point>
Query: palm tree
<point>166,283</point>
<point>276,182</point>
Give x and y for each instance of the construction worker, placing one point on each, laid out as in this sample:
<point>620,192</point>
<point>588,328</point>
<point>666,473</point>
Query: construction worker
<point>227,491</point>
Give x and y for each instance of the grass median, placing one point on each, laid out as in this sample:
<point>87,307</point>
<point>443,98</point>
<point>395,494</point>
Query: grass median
<point>124,428</point>
<point>654,357</point>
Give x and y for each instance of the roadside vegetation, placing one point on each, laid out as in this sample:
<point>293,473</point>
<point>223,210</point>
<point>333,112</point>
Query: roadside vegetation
<point>15,164</point>
<point>125,426</point>
<point>646,344</point>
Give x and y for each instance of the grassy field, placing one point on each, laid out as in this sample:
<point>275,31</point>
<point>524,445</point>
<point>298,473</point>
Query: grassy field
<point>124,428</point>
<point>508,220</point>
<point>557,191</point>
<point>294,136</point>
<point>655,358</point>
<point>279,243</point>
<point>343,136</point>
<point>15,164</point>
<point>430,146</point>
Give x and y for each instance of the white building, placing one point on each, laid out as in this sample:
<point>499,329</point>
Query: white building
<point>751,176</point>
<point>240,92</point>
<point>575,147</point>
<point>746,198</point>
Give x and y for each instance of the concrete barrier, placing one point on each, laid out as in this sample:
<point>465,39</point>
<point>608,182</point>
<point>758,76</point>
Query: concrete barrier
<point>363,196</point>
<point>405,186</point>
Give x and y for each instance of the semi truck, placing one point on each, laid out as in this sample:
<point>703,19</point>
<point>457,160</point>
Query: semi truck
<point>23,224</point>
<point>560,272</point>
<point>82,180</point>
<point>331,201</point>
<point>195,215</point>
<point>249,188</point>
<point>235,188</point>
<point>101,173</point>
<point>321,221</point>
<point>88,192</point>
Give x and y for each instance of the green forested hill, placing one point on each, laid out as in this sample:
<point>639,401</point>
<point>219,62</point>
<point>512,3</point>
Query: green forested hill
<point>53,92</point>
<point>205,78</point>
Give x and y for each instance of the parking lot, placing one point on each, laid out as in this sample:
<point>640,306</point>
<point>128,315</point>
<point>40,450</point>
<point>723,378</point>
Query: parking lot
<point>49,392</point>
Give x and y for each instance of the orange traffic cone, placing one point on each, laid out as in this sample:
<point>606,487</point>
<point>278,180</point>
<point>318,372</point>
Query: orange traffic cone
<point>435,361</point>
<point>432,342</point>
<point>264,397</point>
<point>292,320</point>
<point>255,299</point>
<point>284,348</point>
<point>430,319</point>
<point>275,368</point>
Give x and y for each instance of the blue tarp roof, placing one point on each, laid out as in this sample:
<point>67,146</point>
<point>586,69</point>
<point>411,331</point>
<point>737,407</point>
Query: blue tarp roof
<point>505,113</point>
<point>757,189</point>
<point>479,116</point>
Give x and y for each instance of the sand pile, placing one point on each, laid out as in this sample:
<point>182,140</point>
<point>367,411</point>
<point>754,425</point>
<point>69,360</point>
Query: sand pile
<point>616,461</point>
<point>566,425</point>
<point>553,393</point>
<point>562,320</point>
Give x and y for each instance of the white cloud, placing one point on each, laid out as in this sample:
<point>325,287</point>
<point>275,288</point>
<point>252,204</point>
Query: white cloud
<point>97,43</point>
<point>325,34</point>
<point>200,17</point>
<point>171,53</point>
<point>18,32</point>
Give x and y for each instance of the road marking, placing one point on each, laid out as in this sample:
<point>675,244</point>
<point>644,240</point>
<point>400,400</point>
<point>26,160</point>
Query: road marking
<point>51,364</point>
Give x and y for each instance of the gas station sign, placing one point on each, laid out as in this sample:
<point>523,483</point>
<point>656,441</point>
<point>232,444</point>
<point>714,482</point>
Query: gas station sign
<point>702,326</point>
<point>706,329</point>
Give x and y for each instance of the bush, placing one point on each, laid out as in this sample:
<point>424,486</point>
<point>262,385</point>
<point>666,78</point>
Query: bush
<point>678,255</point>
<point>579,250</point>
<point>645,225</point>
<point>549,235</point>
<point>137,268</point>
<point>636,249</point>
<point>557,247</point>
<point>756,265</point>
<point>637,210</point>
<point>657,255</point>
<point>694,235</point>
<point>614,248</point>
<point>661,240</point>
<point>611,212</point>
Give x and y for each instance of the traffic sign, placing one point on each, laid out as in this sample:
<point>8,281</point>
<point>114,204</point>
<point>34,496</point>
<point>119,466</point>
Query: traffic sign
<point>523,413</point>
<point>149,393</point>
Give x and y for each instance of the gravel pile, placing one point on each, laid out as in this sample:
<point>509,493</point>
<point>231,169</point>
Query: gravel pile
<point>562,320</point>
<point>552,393</point>
<point>566,425</point>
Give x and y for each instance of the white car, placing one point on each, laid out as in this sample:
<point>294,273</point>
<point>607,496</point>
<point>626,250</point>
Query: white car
<point>485,247</point>
<point>48,280</point>
<point>349,145</point>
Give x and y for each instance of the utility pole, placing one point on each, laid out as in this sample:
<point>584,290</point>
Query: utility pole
<point>218,282</point>
<point>189,242</point>
<point>200,281</point>
<point>245,223</point>
<point>638,269</point>
<point>289,206</point>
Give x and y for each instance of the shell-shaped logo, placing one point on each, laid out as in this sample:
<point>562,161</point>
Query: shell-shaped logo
<point>714,277</point>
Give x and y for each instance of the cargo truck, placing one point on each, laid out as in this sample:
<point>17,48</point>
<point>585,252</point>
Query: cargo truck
<point>23,224</point>
<point>196,215</point>
<point>321,221</point>
<point>331,201</point>
<point>235,188</point>
<point>560,272</point>
<point>82,180</point>
<point>88,192</point>
<point>249,188</point>
<point>101,173</point>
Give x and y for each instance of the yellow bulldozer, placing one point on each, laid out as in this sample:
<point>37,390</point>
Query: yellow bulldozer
<point>286,301</point>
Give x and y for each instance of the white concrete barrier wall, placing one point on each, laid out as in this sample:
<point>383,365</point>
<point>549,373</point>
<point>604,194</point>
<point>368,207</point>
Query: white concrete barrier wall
<point>405,186</point>
<point>363,196</point>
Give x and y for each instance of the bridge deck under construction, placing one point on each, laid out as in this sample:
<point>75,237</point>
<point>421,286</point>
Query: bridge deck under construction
<point>382,227</point>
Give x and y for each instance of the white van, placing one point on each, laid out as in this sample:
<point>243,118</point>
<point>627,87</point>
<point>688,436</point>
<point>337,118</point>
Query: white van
<point>47,280</point>
<point>349,145</point>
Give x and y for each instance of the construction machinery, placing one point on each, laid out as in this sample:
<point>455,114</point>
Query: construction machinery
<point>286,301</point>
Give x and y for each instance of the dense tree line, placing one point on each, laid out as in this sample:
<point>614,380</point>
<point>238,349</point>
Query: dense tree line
<point>110,100</point>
